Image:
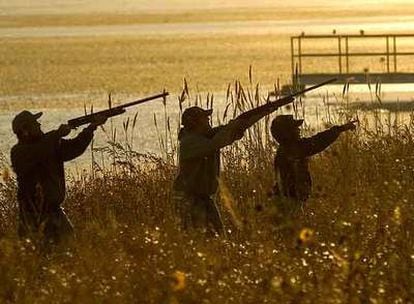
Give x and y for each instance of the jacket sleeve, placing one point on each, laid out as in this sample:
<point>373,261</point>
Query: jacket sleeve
<point>319,142</point>
<point>199,146</point>
<point>249,118</point>
<point>24,157</point>
<point>72,148</point>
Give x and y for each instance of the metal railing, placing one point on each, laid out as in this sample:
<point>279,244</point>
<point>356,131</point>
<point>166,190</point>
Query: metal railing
<point>343,53</point>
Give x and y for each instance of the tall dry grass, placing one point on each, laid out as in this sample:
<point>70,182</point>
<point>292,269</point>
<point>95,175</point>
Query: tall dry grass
<point>353,243</point>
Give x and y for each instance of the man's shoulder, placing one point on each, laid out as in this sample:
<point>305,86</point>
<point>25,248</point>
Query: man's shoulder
<point>190,139</point>
<point>217,129</point>
<point>17,152</point>
<point>190,136</point>
<point>292,149</point>
<point>17,148</point>
<point>214,131</point>
<point>291,145</point>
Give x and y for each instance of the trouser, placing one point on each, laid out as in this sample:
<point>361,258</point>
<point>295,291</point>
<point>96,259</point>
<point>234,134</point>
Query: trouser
<point>52,226</point>
<point>199,212</point>
<point>289,207</point>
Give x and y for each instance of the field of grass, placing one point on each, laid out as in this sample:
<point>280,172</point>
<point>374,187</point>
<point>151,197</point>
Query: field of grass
<point>352,243</point>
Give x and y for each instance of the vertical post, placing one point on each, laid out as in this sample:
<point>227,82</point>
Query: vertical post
<point>292,53</point>
<point>347,54</point>
<point>300,54</point>
<point>395,54</point>
<point>388,54</point>
<point>340,54</point>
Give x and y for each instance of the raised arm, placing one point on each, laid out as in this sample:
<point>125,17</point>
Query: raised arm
<point>193,146</point>
<point>252,116</point>
<point>72,148</point>
<point>319,142</point>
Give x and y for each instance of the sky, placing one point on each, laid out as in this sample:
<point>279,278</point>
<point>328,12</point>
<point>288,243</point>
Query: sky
<point>11,7</point>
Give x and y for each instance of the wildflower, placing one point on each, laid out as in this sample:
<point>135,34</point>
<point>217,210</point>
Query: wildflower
<point>397,215</point>
<point>340,261</point>
<point>6,174</point>
<point>276,283</point>
<point>306,236</point>
<point>178,281</point>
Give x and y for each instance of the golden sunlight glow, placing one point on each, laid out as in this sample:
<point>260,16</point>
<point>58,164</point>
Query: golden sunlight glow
<point>73,6</point>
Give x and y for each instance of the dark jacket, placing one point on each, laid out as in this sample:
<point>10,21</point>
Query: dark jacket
<point>40,171</point>
<point>199,160</point>
<point>291,163</point>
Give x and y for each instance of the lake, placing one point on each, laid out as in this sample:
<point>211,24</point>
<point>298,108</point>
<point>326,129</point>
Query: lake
<point>145,135</point>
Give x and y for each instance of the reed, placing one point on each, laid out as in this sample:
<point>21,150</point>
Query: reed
<point>352,244</point>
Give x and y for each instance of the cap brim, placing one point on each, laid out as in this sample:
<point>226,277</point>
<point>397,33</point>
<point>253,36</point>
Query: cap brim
<point>298,122</point>
<point>208,112</point>
<point>37,115</point>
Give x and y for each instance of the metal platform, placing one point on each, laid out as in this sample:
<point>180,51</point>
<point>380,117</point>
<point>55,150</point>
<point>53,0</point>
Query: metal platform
<point>347,48</point>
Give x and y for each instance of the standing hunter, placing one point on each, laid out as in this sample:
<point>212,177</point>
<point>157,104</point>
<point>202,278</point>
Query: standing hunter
<point>199,162</point>
<point>38,161</point>
<point>293,179</point>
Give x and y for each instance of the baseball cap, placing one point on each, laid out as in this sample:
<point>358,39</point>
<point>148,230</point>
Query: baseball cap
<point>192,114</point>
<point>22,119</point>
<point>284,122</point>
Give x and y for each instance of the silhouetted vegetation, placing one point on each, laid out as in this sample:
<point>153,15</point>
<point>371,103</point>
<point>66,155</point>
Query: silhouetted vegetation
<point>353,242</point>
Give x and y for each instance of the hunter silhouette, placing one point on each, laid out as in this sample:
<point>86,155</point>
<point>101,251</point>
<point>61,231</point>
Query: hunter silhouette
<point>199,162</point>
<point>293,179</point>
<point>38,161</point>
